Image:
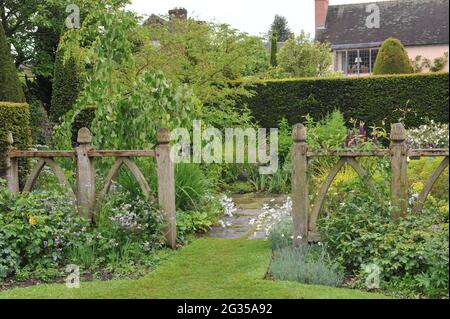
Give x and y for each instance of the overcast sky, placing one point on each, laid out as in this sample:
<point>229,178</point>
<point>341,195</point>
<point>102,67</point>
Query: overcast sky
<point>251,16</point>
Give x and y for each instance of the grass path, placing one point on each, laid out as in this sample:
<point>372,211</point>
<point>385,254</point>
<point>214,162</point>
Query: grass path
<point>208,268</point>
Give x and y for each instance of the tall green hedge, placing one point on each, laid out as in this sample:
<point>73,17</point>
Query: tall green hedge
<point>10,88</point>
<point>374,100</point>
<point>14,118</point>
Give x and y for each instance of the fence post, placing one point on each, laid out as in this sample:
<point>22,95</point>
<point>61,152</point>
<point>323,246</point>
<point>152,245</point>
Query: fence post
<point>85,175</point>
<point>300,199</point>
<point>166,186</point>
<point>12,167</point>
<point>399,178</point>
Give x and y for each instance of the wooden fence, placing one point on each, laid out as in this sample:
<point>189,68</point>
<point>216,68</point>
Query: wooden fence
<point>305,216</point>
<point>85,195</point>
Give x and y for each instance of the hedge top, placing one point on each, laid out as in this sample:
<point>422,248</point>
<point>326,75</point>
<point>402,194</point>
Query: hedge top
<point>345,78</point>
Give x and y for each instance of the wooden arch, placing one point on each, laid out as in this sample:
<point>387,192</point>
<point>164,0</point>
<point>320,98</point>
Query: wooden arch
<point>32,178</point>
<point>134,169</point>
<point>420,202</point>
<point>329,180</point>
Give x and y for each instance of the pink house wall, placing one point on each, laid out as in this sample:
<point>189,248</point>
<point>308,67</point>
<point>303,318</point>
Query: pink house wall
<point>430,52</point>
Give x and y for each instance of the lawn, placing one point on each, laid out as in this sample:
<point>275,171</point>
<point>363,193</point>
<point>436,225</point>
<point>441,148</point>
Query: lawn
<point>208,268</point>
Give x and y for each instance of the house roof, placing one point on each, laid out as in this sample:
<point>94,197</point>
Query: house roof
<point>414,22</point>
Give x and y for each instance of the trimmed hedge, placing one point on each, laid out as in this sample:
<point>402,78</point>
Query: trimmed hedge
<point>374,100</point>
<point>15,118</point>
<point>10,87</point>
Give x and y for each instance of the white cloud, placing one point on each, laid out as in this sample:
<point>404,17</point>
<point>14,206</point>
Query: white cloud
<point>251,16</point>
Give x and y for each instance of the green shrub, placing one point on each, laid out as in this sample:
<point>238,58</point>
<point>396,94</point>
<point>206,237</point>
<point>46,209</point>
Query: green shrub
<point>67,84</point>
<point>361,232</point>
<point>392,58</point>
<point>191,186</point>
<point>376,100</point>
<point>14,118</point>
<point>36,230</point>
<point>10,87</point>
<point>305,264</point>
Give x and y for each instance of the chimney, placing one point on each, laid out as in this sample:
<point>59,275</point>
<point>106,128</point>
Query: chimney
<point>321,13</point>
<point>178,13</point>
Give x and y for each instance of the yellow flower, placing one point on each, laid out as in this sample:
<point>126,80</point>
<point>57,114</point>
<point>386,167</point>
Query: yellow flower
<point>32,220</point>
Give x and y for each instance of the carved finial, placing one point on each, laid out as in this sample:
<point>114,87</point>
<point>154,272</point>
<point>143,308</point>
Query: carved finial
<point>299,133</point>
<point>398,132</point>
<point>84,136</point>
<point>163,136</point>
<point>10,139</point>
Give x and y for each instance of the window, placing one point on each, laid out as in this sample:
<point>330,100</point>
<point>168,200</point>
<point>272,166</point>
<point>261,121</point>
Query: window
<point>356,61</point>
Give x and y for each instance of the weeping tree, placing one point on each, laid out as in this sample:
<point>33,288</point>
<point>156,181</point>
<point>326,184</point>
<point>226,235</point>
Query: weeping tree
<point>10,88</point>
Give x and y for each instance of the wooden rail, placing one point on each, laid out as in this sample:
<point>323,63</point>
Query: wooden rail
<point>305,216</point>
<point>85,194</point>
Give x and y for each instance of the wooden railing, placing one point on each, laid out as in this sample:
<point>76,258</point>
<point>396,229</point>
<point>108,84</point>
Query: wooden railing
<point>305,216</point>
<point>85,195</point>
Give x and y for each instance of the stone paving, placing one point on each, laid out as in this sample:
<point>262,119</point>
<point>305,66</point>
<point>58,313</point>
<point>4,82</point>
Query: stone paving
<point>248,208</point>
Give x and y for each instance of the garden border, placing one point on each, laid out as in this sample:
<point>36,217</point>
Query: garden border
<point>85,194</point>
<point>305,217</point>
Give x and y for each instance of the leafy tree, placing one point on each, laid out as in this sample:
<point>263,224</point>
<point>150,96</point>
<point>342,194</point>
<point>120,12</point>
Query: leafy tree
<point>67,83</point>
<point>10,88</point>
<point>392,58</point>
<point>211,58</point>
<point>273,49</point>
<point>35,27</point>
<point>130,104</point>
<point>304,57</point>
<point>280,26</point>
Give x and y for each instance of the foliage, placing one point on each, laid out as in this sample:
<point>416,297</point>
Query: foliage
<point>36,229</point>
<point>191,186</point>
<point>273,49</point>
<point>41,232</point>
<point>83,119</point>
<point>35,27</point>
<point>10,87</point>
<point>392,58</point>
<point>15,118</point>
<point>130,106</point>
<point>40,124</point>
<point>429,135</point>
<point>280,27</point>
<point>361,232</point>
<point>304,57</point>
<point>409,97</point>
<point>420,63</point>
<point>305,264</point>
<point>67,83</point>
<point>418,172</point>
<point>206,56</point>
<point>200,219</point>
